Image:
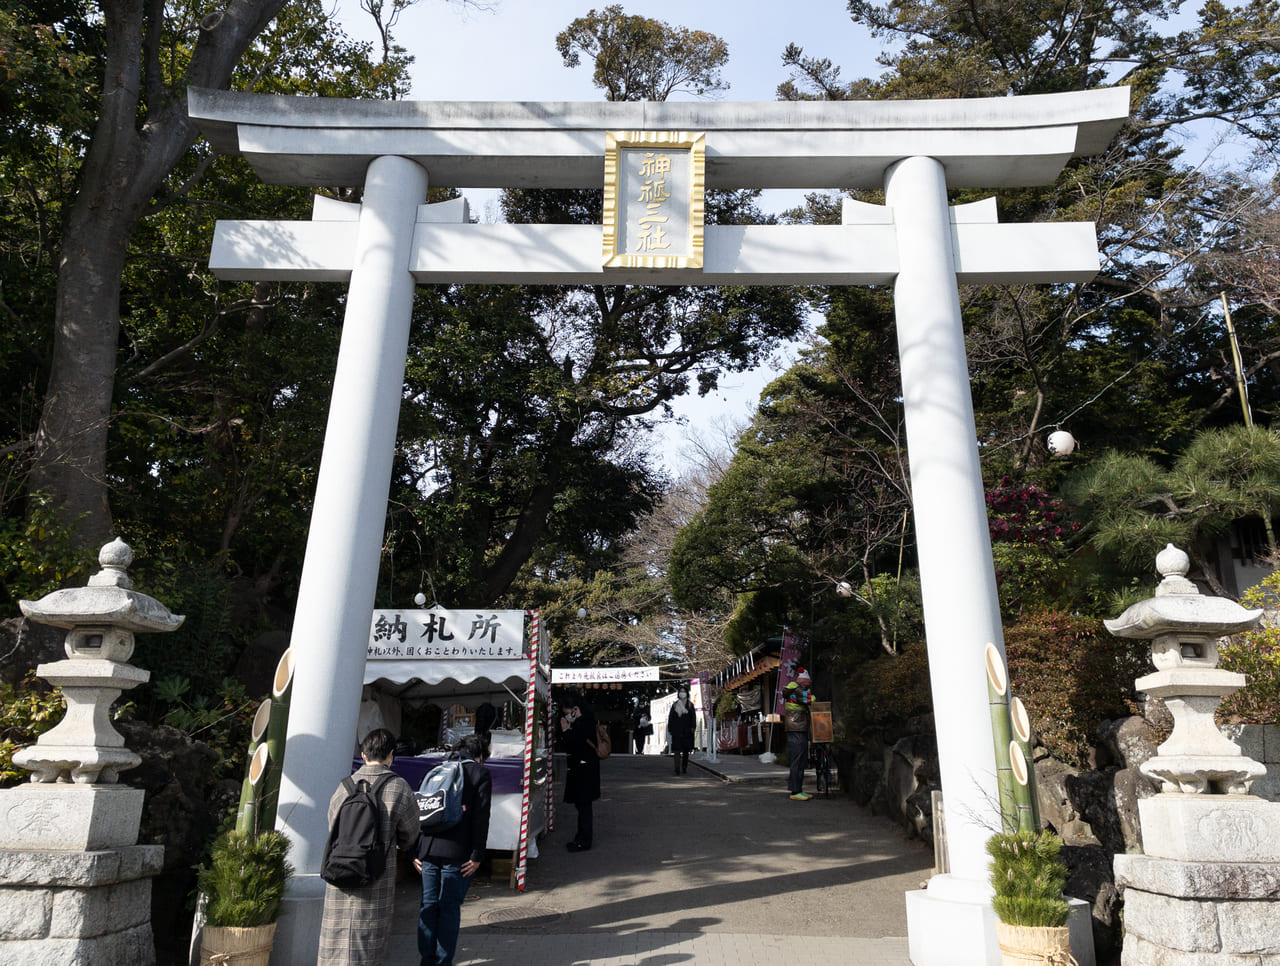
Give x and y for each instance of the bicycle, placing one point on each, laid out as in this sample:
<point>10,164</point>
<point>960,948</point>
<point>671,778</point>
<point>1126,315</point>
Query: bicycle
<point>823,772</point>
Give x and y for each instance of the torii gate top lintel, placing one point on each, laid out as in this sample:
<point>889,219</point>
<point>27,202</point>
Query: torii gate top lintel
<point>982,142</point>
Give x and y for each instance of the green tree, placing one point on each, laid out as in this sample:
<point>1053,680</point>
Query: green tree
<point>527,411</point>
<point>641,59</point>
<point>1129,355</point>
<point>816,495</point>
<point>218,391</point>
<point>1133,507</point>
<point>119,156</point>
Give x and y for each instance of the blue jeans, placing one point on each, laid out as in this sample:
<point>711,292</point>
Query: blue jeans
<point>798,749</point>
<point>443,889</point>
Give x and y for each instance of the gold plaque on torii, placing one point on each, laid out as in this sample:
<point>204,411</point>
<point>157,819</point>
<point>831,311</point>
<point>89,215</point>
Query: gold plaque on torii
<point>654,182</point>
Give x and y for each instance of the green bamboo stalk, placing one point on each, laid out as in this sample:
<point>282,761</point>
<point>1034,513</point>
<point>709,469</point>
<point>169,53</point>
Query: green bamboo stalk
<point>277,728</point>
<point>998,699</point>
<point>245,820</point>
<point>1028,804</point>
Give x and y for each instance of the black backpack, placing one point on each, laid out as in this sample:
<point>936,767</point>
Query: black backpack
<point>354,855</point>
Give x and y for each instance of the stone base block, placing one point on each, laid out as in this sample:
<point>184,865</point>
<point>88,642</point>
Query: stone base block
<point>87,908</point>
<point>63,816</point>
<point>134,947</point>
<point>29,868</point>
<point>1199,914</point>
<point>1139,952</point>
<point>1210,828</point>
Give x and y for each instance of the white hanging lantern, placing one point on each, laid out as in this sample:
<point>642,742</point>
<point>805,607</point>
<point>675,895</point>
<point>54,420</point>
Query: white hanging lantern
<point>1061,443</point>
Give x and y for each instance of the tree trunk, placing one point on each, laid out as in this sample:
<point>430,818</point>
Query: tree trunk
<point>71,441</point>
<point>126,165</point>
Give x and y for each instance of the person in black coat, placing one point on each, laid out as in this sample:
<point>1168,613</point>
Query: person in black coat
<point>582,779</point>
<point>681,723</point>
<point>448,858</point>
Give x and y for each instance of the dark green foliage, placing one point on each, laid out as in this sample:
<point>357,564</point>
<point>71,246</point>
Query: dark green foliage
<point>26,712</point>
<point>1028,875</point>
<point>886,691</point>
<point>1072,675</point>
<point>245,878</point>
<point>1030,536</point>
<point>1133,506</point>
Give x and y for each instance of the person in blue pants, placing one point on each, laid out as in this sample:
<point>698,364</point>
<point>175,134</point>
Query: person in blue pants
<point>449,858</point>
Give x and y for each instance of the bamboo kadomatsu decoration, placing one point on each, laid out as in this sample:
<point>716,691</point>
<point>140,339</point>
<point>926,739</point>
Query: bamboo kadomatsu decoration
<point>249,815</point>
<point>246,810</point>
<point>1011,735</point>
<point>998,698</point>
<point>1024,790</point>
<point>277,728</point>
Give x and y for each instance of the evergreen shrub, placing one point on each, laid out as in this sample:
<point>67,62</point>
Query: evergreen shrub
<point>887,690</point>
<point>1028,875</point>
<point>245,878</point>
<point>26,712</point>
<point>1072,675</point>
<point>1255,654</point>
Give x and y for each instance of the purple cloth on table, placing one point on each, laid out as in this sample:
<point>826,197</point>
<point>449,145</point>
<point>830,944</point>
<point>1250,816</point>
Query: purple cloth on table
<point>507,773</point>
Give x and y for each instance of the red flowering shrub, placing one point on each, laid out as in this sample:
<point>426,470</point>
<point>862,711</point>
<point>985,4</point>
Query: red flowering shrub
<point>1029,531</point>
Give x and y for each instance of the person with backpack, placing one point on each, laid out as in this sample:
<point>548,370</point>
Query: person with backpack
<point>371,814</point>
<point>449,856</point>
<point>582,760</point>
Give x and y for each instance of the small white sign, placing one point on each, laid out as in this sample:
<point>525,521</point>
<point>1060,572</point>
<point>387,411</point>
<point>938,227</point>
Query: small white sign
<point>602,675</point>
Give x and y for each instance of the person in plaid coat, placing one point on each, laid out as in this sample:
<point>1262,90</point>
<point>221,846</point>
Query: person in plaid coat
<point>356,922</point>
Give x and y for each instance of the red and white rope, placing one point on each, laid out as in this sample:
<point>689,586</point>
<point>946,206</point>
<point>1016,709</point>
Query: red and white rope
<point>548,777</point>
<point>522,859</point>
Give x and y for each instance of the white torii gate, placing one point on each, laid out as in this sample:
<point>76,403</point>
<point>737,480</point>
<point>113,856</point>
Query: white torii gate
<point>914,150</point>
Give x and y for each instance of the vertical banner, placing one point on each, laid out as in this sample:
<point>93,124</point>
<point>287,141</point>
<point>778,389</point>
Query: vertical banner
<point>708,712</point>
<point>787,672</point>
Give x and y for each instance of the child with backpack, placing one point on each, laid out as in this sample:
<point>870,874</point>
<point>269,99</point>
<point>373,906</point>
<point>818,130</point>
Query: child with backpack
<point>359,861</point>
<point>449,853</point>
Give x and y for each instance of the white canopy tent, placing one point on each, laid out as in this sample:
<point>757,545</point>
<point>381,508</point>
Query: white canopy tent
<point>450,657</point>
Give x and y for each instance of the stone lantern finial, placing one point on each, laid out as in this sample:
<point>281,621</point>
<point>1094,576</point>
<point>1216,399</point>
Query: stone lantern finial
<point>114,558</point>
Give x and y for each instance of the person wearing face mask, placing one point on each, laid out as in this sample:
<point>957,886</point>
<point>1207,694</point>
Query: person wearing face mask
<point>680,728</point>
<point>582,777</point>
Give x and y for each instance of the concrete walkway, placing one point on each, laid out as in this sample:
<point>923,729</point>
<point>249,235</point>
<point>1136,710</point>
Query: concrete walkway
<point>717,866</point>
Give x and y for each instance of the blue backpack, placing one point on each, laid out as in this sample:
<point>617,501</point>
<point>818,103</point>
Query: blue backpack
<point>440,796</point>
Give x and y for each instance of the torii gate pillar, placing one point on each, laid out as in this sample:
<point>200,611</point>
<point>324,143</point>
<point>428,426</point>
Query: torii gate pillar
<point>915,150</point>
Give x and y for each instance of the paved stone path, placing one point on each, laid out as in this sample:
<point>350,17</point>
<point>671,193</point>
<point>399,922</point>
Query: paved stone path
<point>714,867</point>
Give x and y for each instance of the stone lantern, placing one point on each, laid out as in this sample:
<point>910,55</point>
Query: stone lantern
<point>74,884</point>
<point>1203,892</point>
<point>1183,626</point>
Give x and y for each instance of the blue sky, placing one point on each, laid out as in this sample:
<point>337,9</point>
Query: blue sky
<point>508,52</point>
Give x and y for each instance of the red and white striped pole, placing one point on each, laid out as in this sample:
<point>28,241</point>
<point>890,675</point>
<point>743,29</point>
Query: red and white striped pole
<point>549,764</point>
<point>522,859</point>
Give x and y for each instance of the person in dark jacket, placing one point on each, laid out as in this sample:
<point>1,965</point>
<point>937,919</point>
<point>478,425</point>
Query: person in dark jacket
<point>582,779</point>
<point>680,729</point>
<point>449,858</point>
